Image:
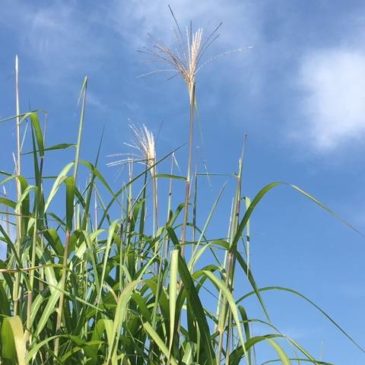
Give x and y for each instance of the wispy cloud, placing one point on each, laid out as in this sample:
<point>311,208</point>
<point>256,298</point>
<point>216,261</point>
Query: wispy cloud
<point>57,37</point>
<point>61,38</point>
<point>334,103</point>
<point>66,41</point>
<point>133,20</point>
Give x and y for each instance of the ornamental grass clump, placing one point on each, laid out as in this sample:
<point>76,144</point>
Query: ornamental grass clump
<point>82,283</point>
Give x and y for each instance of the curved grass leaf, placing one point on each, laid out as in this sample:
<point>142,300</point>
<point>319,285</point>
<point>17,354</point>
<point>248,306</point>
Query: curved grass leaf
<point>172,295</point>
<point>199,314</point>
<point>13,345</point>
<point>159,342</point>
<point>231,302</point>
<point>38,132</point>
<point>288,290</point>
<point>56,185</point>
<point>56,147</point>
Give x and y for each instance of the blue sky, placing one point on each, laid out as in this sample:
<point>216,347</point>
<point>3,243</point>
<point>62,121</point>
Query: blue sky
<point>296,89</point>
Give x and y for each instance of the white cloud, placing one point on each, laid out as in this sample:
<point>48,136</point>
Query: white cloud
<point>66,40</point>
<point>136,18</point>
<point>334,105</point>
<point>58,37</point>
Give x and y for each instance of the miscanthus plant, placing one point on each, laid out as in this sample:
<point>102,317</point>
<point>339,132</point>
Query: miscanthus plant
<point>84,284</point>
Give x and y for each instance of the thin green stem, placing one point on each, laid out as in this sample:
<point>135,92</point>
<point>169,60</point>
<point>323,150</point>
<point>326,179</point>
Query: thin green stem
<point>189,167</point>
<point>81,125</point>
<point>62,294</point>
<point>16,291</point>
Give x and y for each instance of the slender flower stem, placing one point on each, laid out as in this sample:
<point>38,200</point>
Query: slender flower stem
<point>155,203</point>
<point>189,168</point>
<point>169,206</point>
<point>16,291</point>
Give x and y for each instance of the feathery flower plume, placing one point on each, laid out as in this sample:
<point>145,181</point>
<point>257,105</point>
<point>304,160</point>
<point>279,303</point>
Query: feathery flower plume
<point>144,143</point>
<point>185,57</point>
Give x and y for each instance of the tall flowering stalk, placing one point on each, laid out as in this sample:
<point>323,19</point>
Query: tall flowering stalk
<point>17,288</point>
<point>144,143</point>
<point>185,60</point>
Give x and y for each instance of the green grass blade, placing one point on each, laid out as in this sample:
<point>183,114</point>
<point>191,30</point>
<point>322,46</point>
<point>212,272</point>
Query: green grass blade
<point>159,342</point>
<point>13,345</point>
<point>48,310</point>
<point>232,304</point>
<point>56,185</point>
<point>327,316</point>
<point>81,125</point>
<point>172,295</point>
<point>249,212</point>
<point>194,300</point>
<point>36,127</point>
<point>282,355</point>
<point>70,196</point>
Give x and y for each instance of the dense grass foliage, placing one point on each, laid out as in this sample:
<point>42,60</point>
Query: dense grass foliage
<point>84,284</point>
